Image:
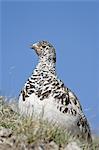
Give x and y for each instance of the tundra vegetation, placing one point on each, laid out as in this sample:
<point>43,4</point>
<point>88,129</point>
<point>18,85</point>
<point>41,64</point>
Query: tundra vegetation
<point>26,133</point>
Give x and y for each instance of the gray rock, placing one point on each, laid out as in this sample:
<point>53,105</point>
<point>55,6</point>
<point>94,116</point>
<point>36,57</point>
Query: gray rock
<point>5,147</point>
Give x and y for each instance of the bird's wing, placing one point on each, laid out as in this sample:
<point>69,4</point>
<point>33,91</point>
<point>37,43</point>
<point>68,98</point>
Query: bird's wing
<point>69,104</point>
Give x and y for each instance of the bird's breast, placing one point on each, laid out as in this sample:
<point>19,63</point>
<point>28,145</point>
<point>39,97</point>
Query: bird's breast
<point>47,109</point>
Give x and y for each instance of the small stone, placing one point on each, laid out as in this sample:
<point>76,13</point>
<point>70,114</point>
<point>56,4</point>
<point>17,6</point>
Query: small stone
<point>72,146</point>
<point>5,133</point>
<point>36,147</point>
<point>53,146</point>
<point>41,147</point>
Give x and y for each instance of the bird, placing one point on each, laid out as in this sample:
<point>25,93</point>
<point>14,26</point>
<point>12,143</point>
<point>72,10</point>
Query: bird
<point>45,95</point>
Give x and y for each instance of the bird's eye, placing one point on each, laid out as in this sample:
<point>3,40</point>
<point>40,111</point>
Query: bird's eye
<point>43,46</point>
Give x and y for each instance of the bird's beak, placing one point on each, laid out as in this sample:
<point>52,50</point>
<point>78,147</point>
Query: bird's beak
<point>34,46</point>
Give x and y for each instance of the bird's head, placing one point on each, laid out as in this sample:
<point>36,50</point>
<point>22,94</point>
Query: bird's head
<point>45,50</point>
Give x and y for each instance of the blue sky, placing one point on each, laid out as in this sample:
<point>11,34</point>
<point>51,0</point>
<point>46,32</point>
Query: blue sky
<point>72,27</point>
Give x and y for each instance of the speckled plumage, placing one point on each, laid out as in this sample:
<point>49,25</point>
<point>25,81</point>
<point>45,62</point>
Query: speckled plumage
<point>45,95</point>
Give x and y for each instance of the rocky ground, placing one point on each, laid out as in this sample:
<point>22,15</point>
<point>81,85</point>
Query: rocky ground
<point>20,133</point>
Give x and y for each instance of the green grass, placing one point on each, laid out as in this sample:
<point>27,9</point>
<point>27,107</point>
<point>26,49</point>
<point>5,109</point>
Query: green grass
<point>35,130</point>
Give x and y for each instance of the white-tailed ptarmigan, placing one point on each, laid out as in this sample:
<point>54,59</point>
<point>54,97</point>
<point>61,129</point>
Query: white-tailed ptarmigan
<point>45,95</point>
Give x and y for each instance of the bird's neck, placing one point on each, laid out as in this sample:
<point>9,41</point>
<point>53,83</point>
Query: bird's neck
<point>46,66</point>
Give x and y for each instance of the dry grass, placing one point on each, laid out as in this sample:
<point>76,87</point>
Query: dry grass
<point>33,131</point>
